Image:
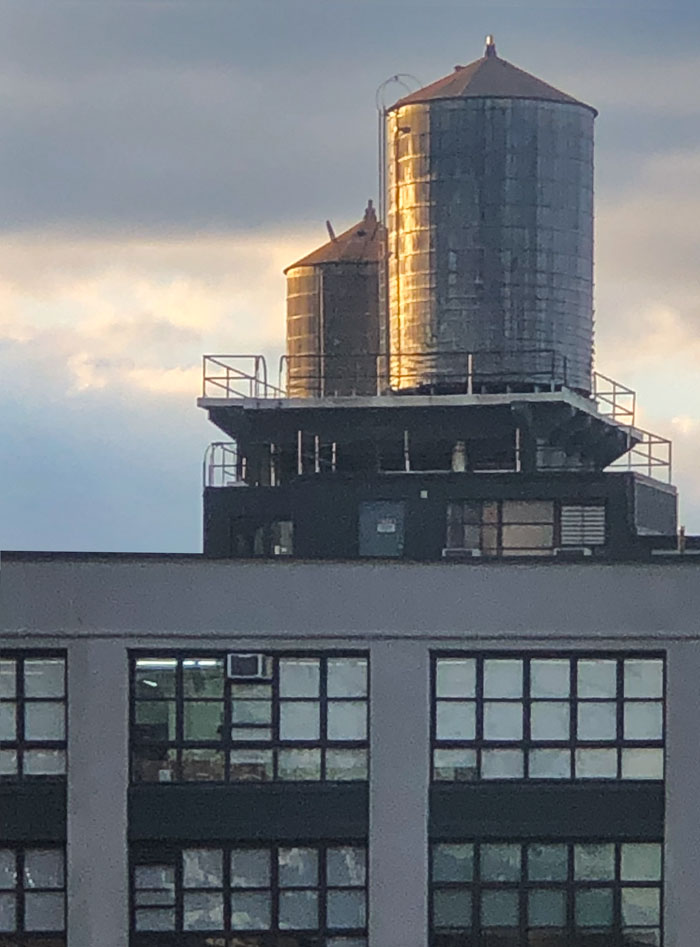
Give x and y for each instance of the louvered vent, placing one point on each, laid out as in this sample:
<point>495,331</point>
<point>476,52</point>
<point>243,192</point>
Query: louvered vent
<point>583,525</point>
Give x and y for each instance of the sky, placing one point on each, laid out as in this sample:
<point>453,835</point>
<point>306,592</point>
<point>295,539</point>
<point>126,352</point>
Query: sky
<point>161,161</point>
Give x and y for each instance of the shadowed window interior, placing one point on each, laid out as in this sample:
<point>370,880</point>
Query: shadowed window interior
<point>32,716</point>
<point>32,896</point>
<point>565,717</point>
<point>249,717</point>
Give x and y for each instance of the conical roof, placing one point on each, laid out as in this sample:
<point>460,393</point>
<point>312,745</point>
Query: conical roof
<point>489,77</point>
<point>358,244</point>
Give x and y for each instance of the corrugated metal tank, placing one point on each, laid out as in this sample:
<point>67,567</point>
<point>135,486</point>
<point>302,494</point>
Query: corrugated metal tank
<point>490,233</point>
<point>333,315</point>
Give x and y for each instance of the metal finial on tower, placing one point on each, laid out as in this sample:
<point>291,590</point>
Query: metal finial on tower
<point>490,46</point>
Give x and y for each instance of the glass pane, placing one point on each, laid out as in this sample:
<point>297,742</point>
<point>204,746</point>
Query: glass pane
<point>203,765</point>
<point>150,899</point>
<point>455,677</point>
<point>641,906</point>
<point>547,908</point>
<point>203,720</point>
<point>8,870</point>
<point>250,734</point>
<point>641,861</point>
<point>453,862</point>
<point>594,907</point>
<point>155,721</point>
<point>499,909</point>
<point>251,911</point>
<point>644,677</point>
<point>299,764</point>
<point>342,765</point>
<point>644,720</point>
<point>346,942</point>
<point>549,720</point>
<point>202,911</point>
<point>8,762</point>
<point>250,868</point>
<point>298,910</point>
<point>8,912</point>
<point>346,909</point>
<point>549,677</point>
<point>547,862</point>
<point>299,720</point>
<point>155,677</point>
<point>202,868</point>
<point>347,720</point>
<point>502,764</point>
<point>641,937</point>
<point>503,720</point>
<point>153,764</point>
<point>597,721</point>
<point>44,762</point>
<point>8,678</point>
<point>596,764</point>
<point>454,765</point>
<point>345,867</point>
<point>643,764</point>
<point>452,908</point>
<point>44,677</point>
<point>455,720</point>
<point>155,919</point>
<point>500,862</point>
<point>347,677</point>
<point>44,721</point>
<point>298,867</point>
<point>43,868</point>
<point>251,711</point>
<point>597,678</point>
<point>527,537</point>
<point>550,764</point>
<point>299,677</point>
<point>250,691</point>
<point>503,678</point>
<point>155,877</point>
<point>251,766</point>
<point>594,862</point>
<point>44,911</point>
<point>203,677</point>
<point>8,722</point>
<point>528,511</point>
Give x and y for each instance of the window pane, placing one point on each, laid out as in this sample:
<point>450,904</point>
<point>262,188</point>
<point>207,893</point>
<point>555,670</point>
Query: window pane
<point>454,765</point>
<point>298,867</point>
<point>8,762</point>
<point>644,720</point>
<point>8,871</point>
<point>503,720</point>
<point>347,720</point>
<point>251,766</point>
<point>8,722</point>
<point>455,720</point>
<point>8,912</point>
<point>345,867</point>
<point>203,911</point>
<point>453,862</point>
<point>203,677</point>
<point>499,909</point>
<point>44,721</point>
<point>641,937</point>
<point>502,764</point>
<point>44,677</point>
<point>299,764</point>
<point>641,861</point>
<point>155,877</point>
<point>528,537</point>
<point>643,764</point>
<point>549,720</point>
<point>455,677</point>
<point>250,868</point>
<point>254,734</point>
<point>596,764</point>
<point>251,711</point>
<point>155,919</point>
<point>549,678</point>
<point>547,862</point>
<point>347,677</point>
<point>44,762</point>
<point>597,721</point>
<point>298,910</point>
<point>8,678</point>
<point>452,908</point>
<point>43,868</point>
<point>641,906</point>
<point>594,907</point>
<point>202,868</point>
<point>594,862</point>
<point>251,911</point>
<point>155,677</point>
<point>203,720</point>
<point>528,511</point>
<point>299,677</point>
<point>299,720</point>
<point>44,911</point>
<point>597,678</point>
<point>155,720</point>
<point>343,765</point>
<point>346,909</point>
<point>202,765</point>
<point>550,764</point>
<point>154,764</point>
<point>503,678</point>
<point>250,691</point>
<point>500,862</point>
<point>644,677</point>
<point>547,909</point>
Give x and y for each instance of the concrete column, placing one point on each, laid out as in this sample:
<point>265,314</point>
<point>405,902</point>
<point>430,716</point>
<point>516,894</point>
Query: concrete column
<point>682,905</point>
<point>98,695</point>
<point>398,798</point>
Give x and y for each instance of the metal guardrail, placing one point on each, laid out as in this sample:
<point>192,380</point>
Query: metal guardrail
<point>221,467</point>
<point>237,376</point>
<point>614,400</point>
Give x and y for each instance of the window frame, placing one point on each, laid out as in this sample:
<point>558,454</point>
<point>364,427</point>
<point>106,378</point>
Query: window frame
<point>24,937</point>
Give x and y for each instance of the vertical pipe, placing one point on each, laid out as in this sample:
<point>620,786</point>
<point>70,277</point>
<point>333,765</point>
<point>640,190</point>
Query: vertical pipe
<point>470,373</point>
<point>518,461</point>
<point>317,454</point>
<point>300,455</point>
<point>406,451</point>
<point>334,456</point>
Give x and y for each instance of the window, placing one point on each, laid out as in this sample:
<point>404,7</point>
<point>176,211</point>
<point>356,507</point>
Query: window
<point>32,895</point>
<point>504,716</point>
<point>546,894</point>
<point>32,715</point>
<point>303,718</point>
<point>290,895</point>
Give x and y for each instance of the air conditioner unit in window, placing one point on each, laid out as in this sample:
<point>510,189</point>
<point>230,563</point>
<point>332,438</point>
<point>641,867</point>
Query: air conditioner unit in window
<point>248,667</point>
<point>573,552</point>
<point>453,553</point>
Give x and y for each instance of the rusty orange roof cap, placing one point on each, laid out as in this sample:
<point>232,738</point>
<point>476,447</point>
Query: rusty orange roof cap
<point>358,244</point>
